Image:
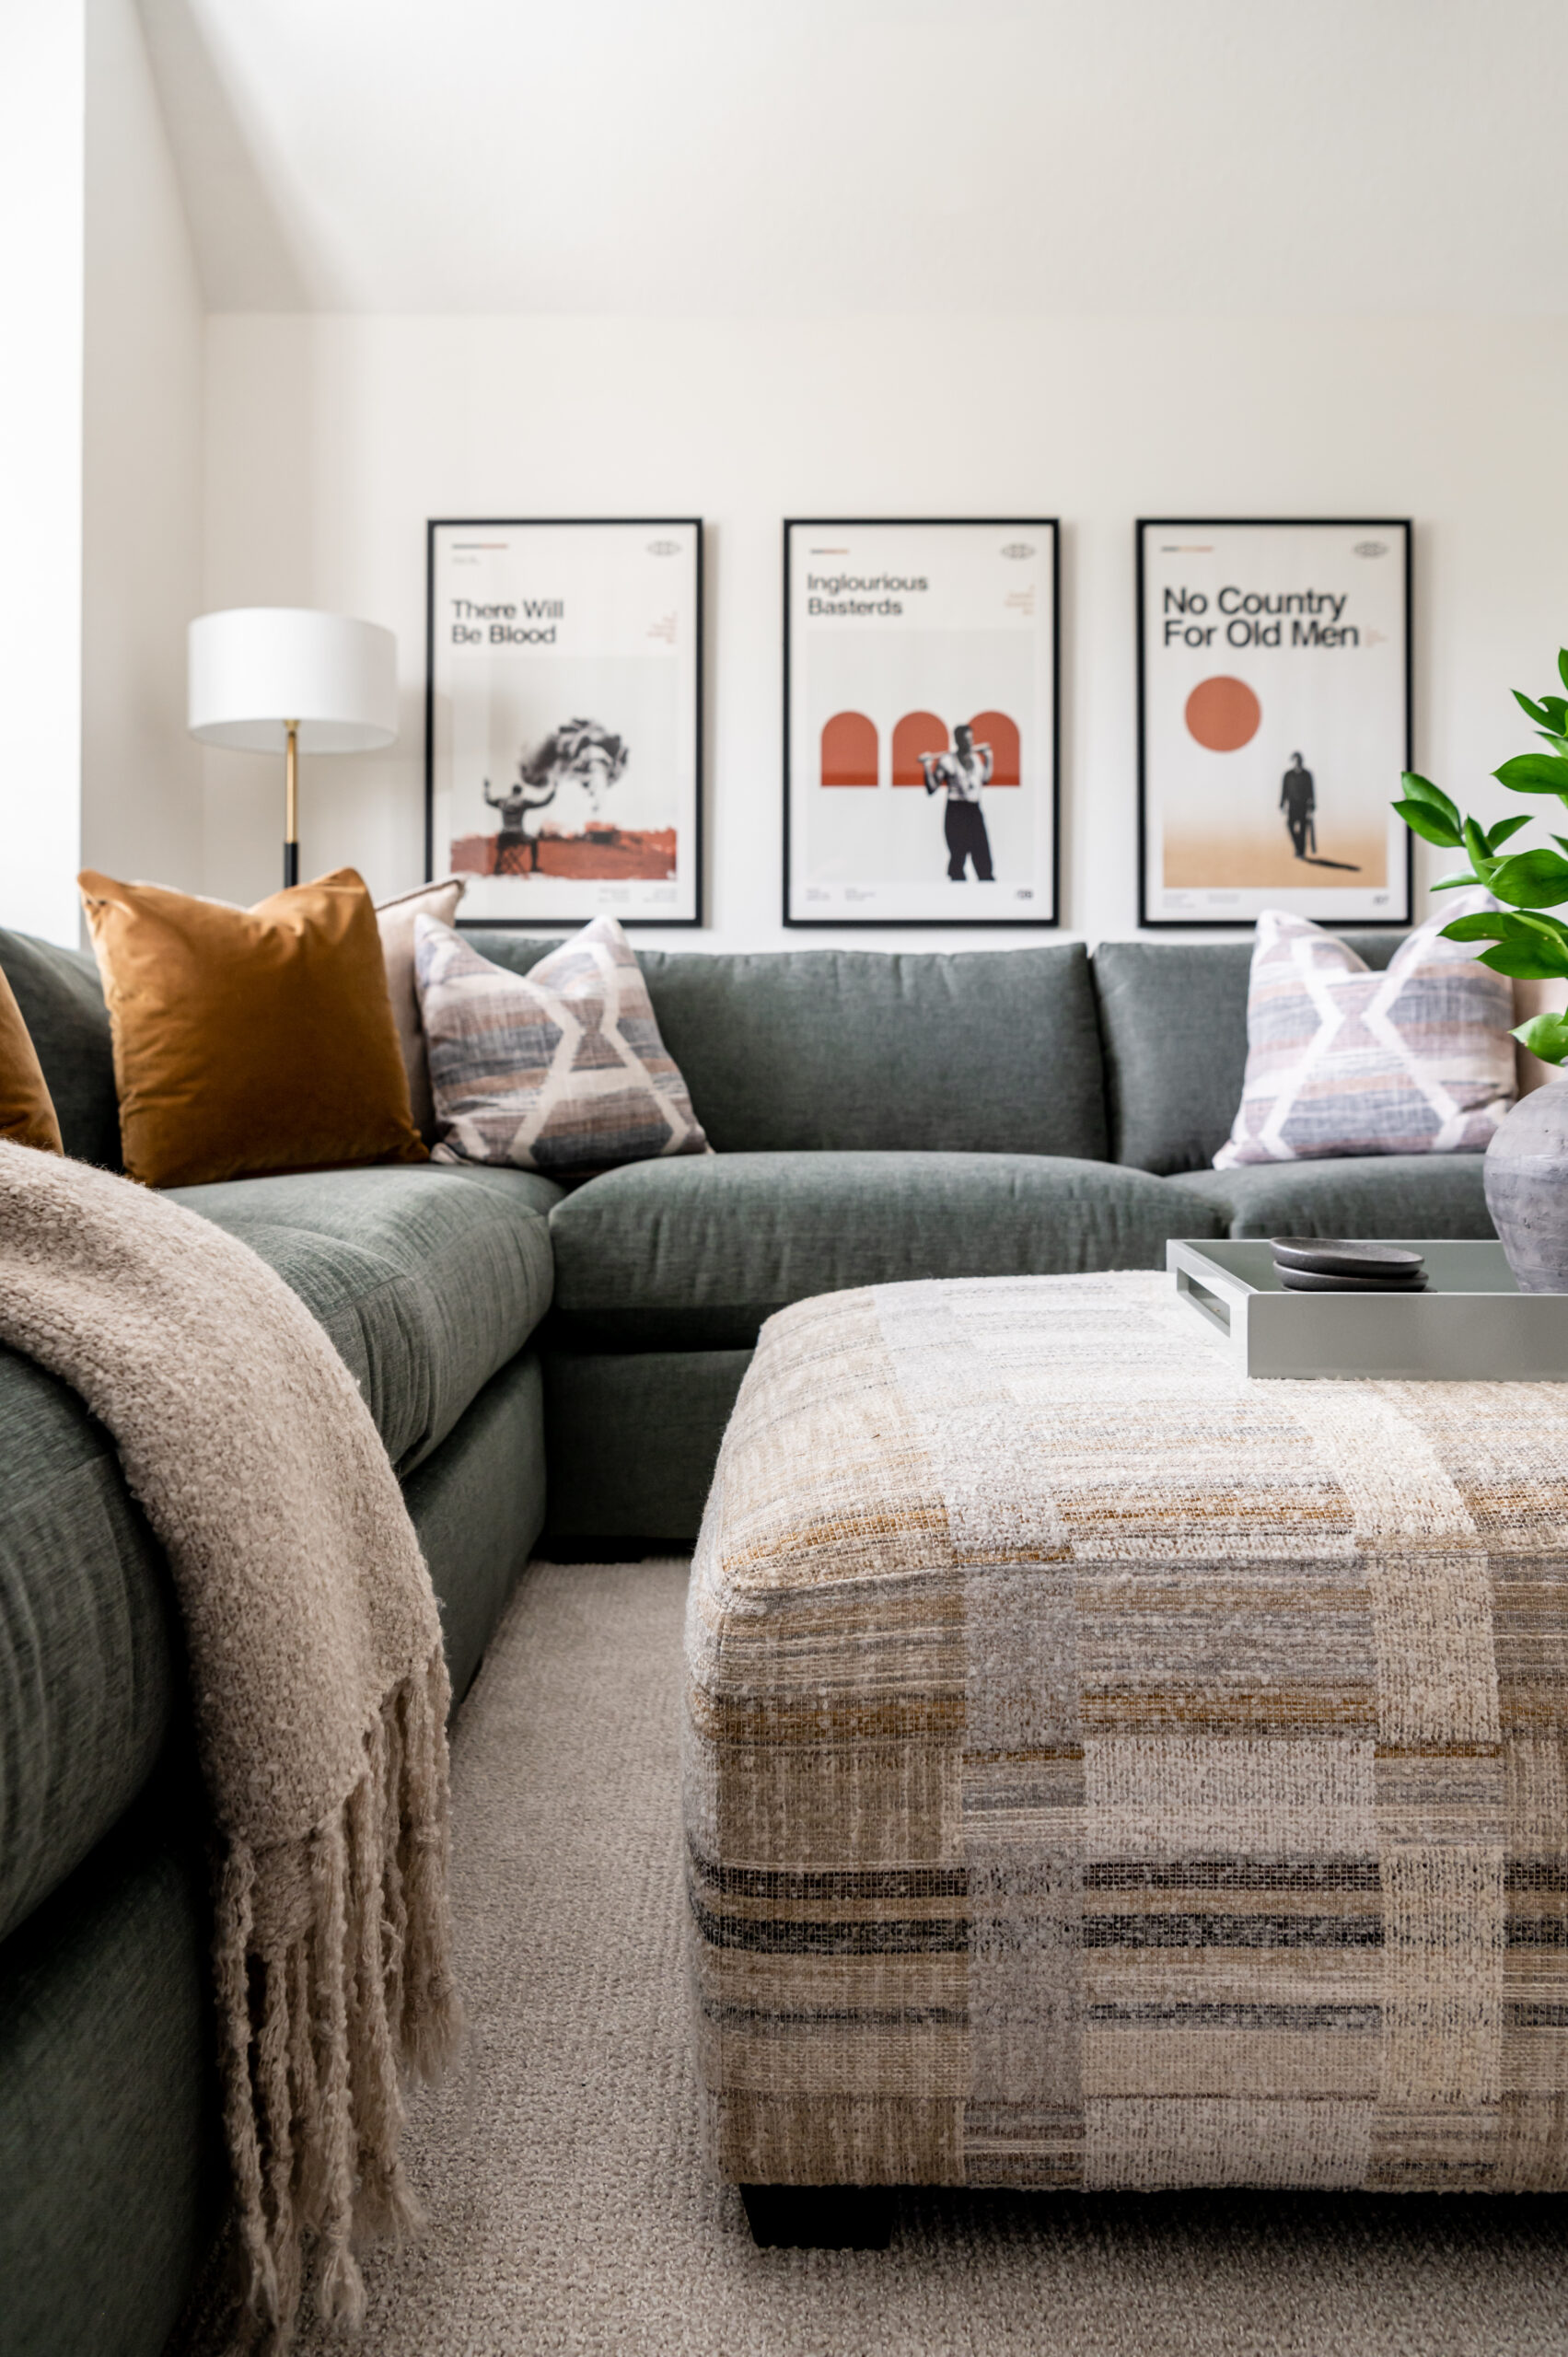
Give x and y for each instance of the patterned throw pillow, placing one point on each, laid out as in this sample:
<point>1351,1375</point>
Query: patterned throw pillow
<point>562,1069</point>
<point>1342,1061</point>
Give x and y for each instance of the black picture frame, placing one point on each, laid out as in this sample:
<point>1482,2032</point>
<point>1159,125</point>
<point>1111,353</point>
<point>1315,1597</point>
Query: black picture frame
<point>1033,921</point>
<point>540,925</point>
<point>1404,526</point>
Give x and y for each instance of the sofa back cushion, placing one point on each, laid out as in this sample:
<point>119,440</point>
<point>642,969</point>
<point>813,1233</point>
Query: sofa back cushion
<point>62,1003</point>
<point>988,1051</point>
<point>1174,1019</point>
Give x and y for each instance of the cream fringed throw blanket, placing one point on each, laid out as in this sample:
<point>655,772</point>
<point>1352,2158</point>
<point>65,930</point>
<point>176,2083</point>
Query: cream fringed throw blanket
<point>319,1683</point>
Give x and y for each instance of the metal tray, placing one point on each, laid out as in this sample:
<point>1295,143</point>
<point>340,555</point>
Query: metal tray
<point>1473,1324</point>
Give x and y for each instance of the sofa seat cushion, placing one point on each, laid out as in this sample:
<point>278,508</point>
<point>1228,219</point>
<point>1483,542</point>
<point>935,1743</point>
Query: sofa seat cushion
<point>1371,1194</point>
<point>427,1278</point>
<point>694,1254</point>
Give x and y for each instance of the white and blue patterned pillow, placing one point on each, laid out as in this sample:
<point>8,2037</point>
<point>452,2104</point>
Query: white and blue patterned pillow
<point>1344,1061</point>
<point>561,1070</point>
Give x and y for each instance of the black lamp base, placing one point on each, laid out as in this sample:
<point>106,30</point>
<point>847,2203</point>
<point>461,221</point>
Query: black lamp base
<point>290,864</point>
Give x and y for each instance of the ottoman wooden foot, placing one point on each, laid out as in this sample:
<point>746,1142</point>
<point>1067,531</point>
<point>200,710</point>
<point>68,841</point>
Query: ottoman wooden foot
<point>819,2217</point>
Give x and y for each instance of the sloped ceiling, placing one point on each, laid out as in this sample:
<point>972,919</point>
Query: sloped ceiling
<point>834,156</point>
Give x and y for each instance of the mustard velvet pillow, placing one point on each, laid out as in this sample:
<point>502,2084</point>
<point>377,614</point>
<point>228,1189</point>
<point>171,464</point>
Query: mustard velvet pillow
<point>248,1040</point>
<point>27,1108</point>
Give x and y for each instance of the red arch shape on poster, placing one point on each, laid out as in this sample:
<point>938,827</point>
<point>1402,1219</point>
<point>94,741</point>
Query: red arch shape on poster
<point>916,732</point>
<point>849,749</point>
<point>995,728</point>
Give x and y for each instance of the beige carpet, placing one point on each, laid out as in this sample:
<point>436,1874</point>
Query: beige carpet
<point>570,2209</point>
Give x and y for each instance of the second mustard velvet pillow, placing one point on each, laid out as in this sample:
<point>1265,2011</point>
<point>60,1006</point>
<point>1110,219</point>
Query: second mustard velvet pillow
<point>248,1040</point>
<point>27,1108</point>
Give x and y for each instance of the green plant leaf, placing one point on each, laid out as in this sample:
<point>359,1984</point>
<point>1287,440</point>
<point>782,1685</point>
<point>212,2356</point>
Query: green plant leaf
<point>1537,711</point>
<point>1550,737</point>
<point>1545,937</point>
<point>1545,1036</point>
<point>1534,773</point>
<point>1497,836</point>
<point>1562,665</point>
<point>1464,881</point>
<point>1527,961</point>
<point>1489,924</point>
<point>1421,789</point>
<point>1475,844</point>
<point>1422,819</point>
<point>1545,928</point>
<point>1531,880</point>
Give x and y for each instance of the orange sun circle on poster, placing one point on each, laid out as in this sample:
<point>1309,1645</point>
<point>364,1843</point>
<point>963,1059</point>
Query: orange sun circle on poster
<point>1223,714</point>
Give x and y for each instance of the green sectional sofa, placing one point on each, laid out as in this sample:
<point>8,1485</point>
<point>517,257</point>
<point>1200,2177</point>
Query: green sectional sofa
<point>881,1117</point>
<point>546,1365</point>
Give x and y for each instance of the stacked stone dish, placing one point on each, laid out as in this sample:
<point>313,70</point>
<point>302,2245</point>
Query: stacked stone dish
<point>1327,1264</point>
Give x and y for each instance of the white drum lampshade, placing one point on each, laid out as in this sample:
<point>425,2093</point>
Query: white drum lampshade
<point>285,679</point>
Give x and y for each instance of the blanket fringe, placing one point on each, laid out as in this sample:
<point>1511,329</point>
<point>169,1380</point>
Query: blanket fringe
<point>334,1980</point>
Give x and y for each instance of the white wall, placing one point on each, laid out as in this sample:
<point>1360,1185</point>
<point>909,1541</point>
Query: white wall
<point>142,474</point>
<point>100,473</point>
<point>41,110</point>
<point>332,439</point>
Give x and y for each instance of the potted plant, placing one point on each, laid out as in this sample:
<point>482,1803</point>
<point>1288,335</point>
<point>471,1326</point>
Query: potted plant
<point>1526,1163</point>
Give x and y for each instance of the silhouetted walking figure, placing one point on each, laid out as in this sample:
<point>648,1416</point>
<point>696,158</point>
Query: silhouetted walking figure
<point>1298,800</point>
<point>964,772</point>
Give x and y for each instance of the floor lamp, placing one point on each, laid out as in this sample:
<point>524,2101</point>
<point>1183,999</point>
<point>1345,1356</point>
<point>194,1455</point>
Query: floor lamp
<point>284,679</point>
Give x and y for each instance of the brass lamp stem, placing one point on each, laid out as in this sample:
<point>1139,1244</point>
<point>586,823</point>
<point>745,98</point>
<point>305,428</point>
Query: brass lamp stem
<point>291,808</point>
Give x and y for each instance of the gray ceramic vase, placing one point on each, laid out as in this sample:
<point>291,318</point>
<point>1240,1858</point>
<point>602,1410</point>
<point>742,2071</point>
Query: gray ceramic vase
<point>1526,1187</point>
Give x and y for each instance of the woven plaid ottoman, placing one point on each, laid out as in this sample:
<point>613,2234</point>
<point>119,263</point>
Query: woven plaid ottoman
<point>1104,1772</point>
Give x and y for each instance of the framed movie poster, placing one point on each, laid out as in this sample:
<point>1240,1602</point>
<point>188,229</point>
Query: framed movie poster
<point>1273,721</point>
<point>563,722</point>
<point>920,722</point>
